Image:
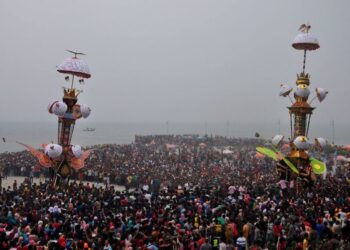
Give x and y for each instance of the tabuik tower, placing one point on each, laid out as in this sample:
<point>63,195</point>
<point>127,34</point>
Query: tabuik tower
<point>62,158</point>
<point>297,163</point>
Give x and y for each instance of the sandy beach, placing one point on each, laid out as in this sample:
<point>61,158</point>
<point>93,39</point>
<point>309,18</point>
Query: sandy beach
<point>9,181</point>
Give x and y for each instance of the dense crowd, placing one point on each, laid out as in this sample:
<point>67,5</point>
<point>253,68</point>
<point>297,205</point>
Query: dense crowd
<point>143,160</point>
<point>182,192</point>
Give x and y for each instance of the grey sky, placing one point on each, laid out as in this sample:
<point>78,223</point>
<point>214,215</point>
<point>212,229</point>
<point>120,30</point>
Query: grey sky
<point>179,60</point>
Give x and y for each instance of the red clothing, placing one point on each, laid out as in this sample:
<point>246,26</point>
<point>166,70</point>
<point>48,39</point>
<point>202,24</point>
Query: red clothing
<point>56,225</point>
<point>234,229</point>
<point>62,241</point>
<point>277,229</point>
<point>201,241</point>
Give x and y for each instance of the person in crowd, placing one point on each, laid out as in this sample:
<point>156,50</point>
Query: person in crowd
<point>180,193</point>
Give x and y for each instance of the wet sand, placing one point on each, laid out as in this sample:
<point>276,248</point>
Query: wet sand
<point>9,181</point>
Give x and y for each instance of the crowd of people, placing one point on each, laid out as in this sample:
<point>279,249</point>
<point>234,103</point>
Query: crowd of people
<point>181,192</point>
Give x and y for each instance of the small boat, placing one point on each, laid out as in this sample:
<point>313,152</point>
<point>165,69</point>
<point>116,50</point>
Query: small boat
<point>89,129</point>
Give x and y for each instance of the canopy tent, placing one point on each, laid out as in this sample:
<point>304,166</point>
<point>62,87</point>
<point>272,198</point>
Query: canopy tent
<point>227,152</point>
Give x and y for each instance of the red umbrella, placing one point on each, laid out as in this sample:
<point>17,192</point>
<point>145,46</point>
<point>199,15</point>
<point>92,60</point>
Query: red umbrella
<point>340,158</point>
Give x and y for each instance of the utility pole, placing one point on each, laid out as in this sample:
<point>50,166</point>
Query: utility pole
<point>228,129</point>
<point>333,131</point>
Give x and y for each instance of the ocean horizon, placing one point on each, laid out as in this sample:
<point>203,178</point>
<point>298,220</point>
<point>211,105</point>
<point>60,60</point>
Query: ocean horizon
<point>37,133</point>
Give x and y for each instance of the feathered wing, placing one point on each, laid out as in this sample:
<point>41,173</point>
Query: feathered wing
<point>302,27</point>
<point>277,156</point>
<point>32,150</point>
<point>44,160</point>
<point>78,163</point>
<point>305,28</point>
<point>318,167</point>
<point>268,152</point>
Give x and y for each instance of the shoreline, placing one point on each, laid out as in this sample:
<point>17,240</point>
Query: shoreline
<point>8,182</point>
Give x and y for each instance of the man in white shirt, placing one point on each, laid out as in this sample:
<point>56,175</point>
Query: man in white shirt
<point>145,188</point>
<point>222,246</point>
<point>283,184</point>
<point>241,243</point>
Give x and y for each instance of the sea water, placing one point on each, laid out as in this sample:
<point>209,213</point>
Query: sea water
<point>38,133</point>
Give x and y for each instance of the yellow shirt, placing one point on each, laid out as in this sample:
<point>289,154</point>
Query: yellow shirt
<point>305,244</point>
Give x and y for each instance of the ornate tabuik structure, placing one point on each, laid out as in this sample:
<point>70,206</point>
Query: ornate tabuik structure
<point>297,164</point>
<point>63,158</point>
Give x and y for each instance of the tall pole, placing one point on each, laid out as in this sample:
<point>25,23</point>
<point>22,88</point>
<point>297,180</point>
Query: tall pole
<point>291,126</point>
<point>333,131</point>
<point>304,62</point>
<point>228,129</point>
<point>279,127</point>
<point>71,86</point>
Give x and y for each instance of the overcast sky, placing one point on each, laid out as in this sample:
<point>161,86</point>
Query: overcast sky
<point>176,60</point>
